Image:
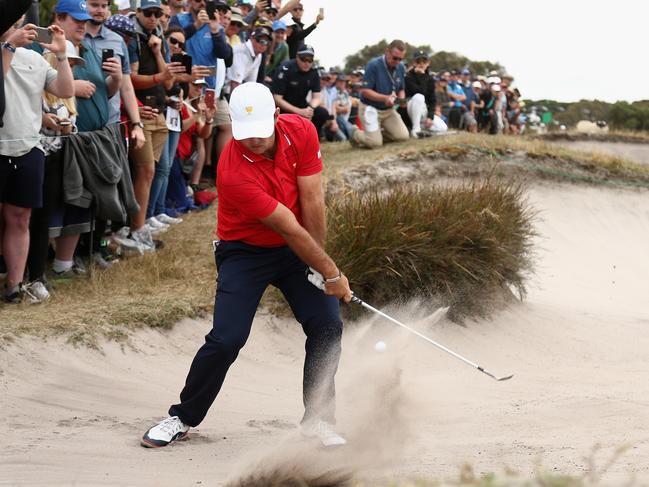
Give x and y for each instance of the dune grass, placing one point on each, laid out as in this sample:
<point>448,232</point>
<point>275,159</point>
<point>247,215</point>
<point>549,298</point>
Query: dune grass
<point>158,290</point>
<point>455,245</point>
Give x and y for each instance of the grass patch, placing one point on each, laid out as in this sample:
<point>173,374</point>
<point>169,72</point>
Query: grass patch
<point>460,245</point>
<point>155,290</point>
<point>158,290</point>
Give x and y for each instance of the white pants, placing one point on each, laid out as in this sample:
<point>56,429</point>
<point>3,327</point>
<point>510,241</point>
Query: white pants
<point>417,111</point>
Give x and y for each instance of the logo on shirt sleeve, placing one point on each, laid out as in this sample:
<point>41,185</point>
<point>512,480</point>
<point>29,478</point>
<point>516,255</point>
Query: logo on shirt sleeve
<point>249,109</point>
<point>319,155</point>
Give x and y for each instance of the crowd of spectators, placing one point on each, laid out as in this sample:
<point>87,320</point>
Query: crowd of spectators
<point>115,113</point>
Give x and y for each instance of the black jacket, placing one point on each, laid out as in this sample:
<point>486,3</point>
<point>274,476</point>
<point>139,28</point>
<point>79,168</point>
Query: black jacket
<point>95,169</point>
<point>422,83</point>
<point>296,39</point>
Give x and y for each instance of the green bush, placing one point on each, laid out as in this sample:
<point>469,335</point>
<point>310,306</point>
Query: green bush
<point>460,246</point>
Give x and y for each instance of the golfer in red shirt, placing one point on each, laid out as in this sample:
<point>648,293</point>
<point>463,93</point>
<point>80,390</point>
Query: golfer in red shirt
<point>271,228</point>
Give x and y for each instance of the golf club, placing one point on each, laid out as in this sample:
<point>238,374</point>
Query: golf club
<point>357,300</point>
<point>317,280</point>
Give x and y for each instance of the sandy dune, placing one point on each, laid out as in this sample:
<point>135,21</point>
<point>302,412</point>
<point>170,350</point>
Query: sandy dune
<point>578,346</point>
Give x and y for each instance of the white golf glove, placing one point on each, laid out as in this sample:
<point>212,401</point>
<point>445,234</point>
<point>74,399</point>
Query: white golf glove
<point>315,278</point>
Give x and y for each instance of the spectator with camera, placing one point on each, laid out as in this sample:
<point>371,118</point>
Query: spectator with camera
<point>22,162</point>
<point>293,81</point>
<point>420,91</point>
<point>295,38</point>
<point>152,75</point>
<point>207,44</point>
<point>384,87</point>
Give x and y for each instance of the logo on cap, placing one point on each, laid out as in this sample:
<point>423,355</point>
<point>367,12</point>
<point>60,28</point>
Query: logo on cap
<point>249,109</point>
<point>83,6</point>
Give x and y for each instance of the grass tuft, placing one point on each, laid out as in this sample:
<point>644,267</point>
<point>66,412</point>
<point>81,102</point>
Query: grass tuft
<point>458,245</point>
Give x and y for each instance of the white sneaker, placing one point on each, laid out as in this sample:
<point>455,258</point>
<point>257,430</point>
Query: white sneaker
<point>324,432</point>
<point>36,292</point>
<point>169,220</point>
<point>143,237</point>
<point>156,230</point>
<point>153,222</point>
<point>163,433</point>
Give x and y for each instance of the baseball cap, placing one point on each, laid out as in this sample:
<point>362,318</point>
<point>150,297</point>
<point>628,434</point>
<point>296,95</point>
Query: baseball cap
<point>495,88</point>
<point>121,24</point>
<point>147,4</point>
<point>279,25</point>
<point>199,81</point>
<point>494,80</point>
<point>466,71</point>
<point>305,51</point>
<point>420,53</point>
<point>252,110</point>
<point>476,84</point>
<point>261,31</point>
<point>76,9</point>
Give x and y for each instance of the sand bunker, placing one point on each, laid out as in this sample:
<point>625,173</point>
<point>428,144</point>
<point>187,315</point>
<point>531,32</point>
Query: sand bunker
<point>578,346</point>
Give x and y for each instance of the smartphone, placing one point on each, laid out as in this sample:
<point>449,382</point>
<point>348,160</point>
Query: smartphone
<point>106,54</point>
<point>210,98</point>
<point>210,8</point>
<point>177,58</point>
<point>188,63</point>
<point>151,101</point>
<point>321,12</point>
<point>43,35</point>
<point>212,70</point>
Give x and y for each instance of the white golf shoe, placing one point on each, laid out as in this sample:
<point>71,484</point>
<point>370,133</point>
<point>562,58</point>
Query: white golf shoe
<point>324,432</point>
<point>163,433</point>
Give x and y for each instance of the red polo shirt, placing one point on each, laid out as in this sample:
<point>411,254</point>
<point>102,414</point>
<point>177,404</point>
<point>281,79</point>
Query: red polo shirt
<point>250,185</point>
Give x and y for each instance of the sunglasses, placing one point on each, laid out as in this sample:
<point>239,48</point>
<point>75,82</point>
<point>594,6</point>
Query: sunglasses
<point>306,59</point>
<point>298,9</point>
<point>151,12</point>
<point>396,58</point>
<point>263,41</point>
<point>176,42</point>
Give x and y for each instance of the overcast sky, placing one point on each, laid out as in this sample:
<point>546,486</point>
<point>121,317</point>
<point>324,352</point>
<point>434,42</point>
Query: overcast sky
<point>564,50</point>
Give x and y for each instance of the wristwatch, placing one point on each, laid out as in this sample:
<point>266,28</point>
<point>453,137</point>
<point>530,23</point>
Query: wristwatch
<point>9,47</point>
<point>138,124</point>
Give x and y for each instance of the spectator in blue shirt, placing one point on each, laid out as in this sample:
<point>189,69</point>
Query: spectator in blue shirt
<point>456,93</point>
<point>383,86</point>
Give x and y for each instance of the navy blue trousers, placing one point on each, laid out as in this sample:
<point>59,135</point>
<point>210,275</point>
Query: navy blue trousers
<point>244,273</point>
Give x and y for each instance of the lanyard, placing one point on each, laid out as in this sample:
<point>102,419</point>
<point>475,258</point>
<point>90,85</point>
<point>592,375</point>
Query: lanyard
<point>393,79</point>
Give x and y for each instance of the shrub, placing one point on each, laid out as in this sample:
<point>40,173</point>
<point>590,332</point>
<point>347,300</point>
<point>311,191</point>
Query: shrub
<point>459,246</point>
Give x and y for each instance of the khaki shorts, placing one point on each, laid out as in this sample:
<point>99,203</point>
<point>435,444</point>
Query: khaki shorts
<point>222,115</point>
<point>155,137</point>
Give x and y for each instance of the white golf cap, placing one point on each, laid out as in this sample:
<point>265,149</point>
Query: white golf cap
<point>71,53</point>
<point>252,109</point>
<point>476,84</point>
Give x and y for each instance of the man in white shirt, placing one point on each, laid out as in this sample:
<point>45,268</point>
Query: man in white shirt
<point>247,57</point>
<point>26,75</point>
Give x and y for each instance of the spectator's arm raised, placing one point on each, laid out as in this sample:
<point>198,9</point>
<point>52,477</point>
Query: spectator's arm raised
<point>113,67</point>
<point>63,85</point>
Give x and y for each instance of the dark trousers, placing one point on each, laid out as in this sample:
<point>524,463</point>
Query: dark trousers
<point>244,272</point>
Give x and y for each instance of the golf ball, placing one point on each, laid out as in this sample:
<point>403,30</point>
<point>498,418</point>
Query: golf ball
<point>380,346</point>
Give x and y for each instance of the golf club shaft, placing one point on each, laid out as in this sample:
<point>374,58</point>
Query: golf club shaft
<point>433,342</point>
